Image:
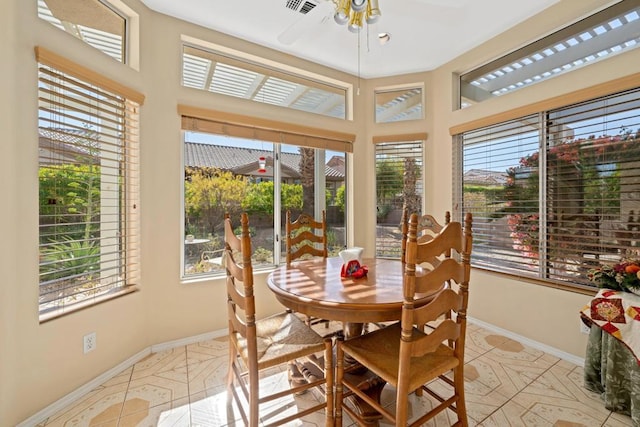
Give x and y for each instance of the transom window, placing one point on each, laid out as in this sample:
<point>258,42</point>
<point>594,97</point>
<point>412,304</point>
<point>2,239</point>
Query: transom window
<point>214,72</point>
<point>396,105</point>
<point>95,22</point>
<point>599,36</point>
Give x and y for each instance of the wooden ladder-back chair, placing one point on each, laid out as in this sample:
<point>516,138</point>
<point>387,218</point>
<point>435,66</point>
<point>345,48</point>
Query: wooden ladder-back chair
<point>404,355</point>
<point>428,227</point>
<point>306,237</point>
<point>257,345</point>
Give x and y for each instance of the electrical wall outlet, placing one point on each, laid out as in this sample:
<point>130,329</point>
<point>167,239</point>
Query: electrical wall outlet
<point>584,328</point>
<point>89,342</point>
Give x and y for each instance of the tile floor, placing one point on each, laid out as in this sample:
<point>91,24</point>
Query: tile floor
<point>507,384</point>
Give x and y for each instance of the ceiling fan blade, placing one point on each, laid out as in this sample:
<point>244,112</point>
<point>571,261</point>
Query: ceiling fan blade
<point>306,22</point>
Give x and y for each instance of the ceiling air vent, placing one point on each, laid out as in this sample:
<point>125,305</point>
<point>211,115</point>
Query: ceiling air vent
<point>302,6</point>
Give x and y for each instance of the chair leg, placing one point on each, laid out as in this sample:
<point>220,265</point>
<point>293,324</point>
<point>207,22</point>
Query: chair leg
<point>329,378</point>
<point>230,373</point>
<point>402,407</point>
<point>461,407</point>
<point>339,377</point>
<point>402,399</point>
<point>254,399</point>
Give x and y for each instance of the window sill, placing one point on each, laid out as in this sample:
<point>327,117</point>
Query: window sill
<point>90,302</point>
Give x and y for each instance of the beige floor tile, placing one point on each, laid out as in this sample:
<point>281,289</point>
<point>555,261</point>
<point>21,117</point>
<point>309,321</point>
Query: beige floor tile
<point>163,361</point>
<point>506,383</point>
<point>513,351</point>
<point>101,406</point>
<point>218,347</point>
<point>208,374</point>
<point>156,390</point>
<point>489,374</point>
<point>170,414</point>
<point>122,378</point>
<point>470,354</point>
<point>481,405</point>
<point>211,410</point>
<point>513,415</point>
<point>618,420</point>
<point>558,396</point>
<point>480,340</point>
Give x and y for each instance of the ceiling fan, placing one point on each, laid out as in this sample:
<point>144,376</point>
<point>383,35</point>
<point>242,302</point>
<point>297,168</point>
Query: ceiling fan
<point>316,12</point>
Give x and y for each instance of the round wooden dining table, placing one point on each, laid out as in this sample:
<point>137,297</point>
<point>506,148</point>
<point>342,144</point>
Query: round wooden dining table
<point>316,288</point>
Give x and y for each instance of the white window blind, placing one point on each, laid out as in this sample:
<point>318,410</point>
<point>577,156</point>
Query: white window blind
<point>593,185</point>
<point>491,158</point>
<point>88,174</point>
<point>555,194</point>
<point>398,183</point>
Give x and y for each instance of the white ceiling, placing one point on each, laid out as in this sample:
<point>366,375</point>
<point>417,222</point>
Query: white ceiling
<point>424,33</point>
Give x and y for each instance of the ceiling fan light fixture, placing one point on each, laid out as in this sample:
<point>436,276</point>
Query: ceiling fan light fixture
<point>342,12</point>
<point>373,12</point>
<point>356,13</point>
<point>359,5</point>
<point>355,23</point>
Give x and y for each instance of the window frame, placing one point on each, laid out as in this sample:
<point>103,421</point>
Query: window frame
<point>398,145</point>
<point>552,137</point>
<point>119,254</point>
<point>278,134</point>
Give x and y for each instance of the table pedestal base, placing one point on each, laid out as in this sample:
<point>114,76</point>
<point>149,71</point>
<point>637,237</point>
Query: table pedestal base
<point>372,385</point>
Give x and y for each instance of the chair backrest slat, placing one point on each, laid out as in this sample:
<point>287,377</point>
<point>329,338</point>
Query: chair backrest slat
<point>305,236</point>
<point>429,281</point>
<point>447,330</point>
<point>427,227</point>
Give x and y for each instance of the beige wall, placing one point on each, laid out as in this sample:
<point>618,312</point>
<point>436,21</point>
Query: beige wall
<point>41,363</point>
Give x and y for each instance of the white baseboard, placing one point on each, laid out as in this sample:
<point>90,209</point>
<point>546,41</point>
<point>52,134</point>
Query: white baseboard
<point>63,402</point>
<point>529,342</point>
<point>189,340</point>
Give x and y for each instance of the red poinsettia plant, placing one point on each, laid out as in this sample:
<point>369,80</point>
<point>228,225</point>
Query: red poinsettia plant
<point>623,276</point>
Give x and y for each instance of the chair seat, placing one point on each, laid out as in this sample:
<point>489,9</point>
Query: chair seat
<point>280,338</point>
<point>379,351</point>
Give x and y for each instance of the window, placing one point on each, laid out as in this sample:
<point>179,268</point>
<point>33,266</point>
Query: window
<point>555,194</point>
<point>398,183</point>
<point>88,166</point>
<point>231,169</point>
<point>599,36</point>
<point>95,22</point>
<point>226,75</point>
<point>396,105</point>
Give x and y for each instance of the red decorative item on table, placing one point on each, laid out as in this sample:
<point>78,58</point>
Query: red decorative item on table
<point>351,266</point>
<point>354,269</point>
